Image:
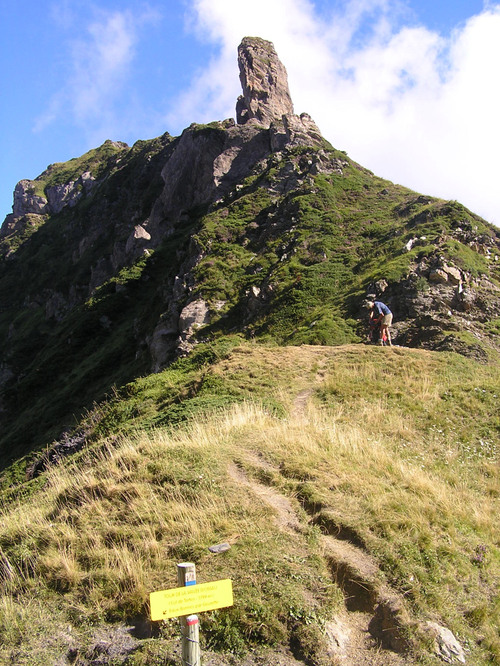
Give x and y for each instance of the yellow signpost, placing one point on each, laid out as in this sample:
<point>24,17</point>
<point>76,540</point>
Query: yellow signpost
<point>187,599</point>
<point>181,601</point>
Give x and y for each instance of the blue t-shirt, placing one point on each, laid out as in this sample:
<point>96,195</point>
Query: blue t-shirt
<point>382,308</point>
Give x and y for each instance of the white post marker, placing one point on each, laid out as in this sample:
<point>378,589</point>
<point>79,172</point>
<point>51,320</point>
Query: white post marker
<point>190,626</point>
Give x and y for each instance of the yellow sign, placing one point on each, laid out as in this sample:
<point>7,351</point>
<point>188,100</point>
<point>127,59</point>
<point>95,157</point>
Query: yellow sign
<point>191,599</point>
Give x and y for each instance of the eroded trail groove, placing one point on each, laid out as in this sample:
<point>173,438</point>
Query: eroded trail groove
<point>370,629</point>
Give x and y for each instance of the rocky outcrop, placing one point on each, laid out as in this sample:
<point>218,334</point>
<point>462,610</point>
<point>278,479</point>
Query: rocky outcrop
<point>18,226</point>
<point>194,315</point>
<point>293,131</point>
<point>27,200</point>
<point>440,306</point>
<point>68,194</point>
<point>208,161</point>
<point>264,80</point>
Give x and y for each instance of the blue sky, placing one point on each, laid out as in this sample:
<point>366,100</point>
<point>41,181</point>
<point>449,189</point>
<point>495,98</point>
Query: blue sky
<point>409,88</point>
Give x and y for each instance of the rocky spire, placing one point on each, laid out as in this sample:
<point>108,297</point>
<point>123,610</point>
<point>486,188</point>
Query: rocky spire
<point>264,81</point>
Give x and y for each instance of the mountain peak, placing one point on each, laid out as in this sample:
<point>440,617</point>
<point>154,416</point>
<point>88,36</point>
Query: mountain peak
<point>264,81</point>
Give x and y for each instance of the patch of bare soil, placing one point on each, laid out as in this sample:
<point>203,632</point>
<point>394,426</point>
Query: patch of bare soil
<point>258,657</point>
<point>351,643</point>
<point>286,518</point>
<point>300,402</point>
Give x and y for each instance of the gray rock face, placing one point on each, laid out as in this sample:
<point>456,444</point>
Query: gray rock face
<point>193,315</point>
<point>27,201</point>
<point>207,163</point>
<point>15,225</point>
<point>293,131</point>
<point>69,194</point>
<point>264,80</point>
<point>138,241</point>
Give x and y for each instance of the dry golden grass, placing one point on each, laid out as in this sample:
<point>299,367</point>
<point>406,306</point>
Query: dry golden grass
<point>367,448</point>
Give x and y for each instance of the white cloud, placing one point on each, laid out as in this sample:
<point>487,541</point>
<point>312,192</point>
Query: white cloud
<point>100,63</point>
<point>99,68</point>
<point>414,106</point>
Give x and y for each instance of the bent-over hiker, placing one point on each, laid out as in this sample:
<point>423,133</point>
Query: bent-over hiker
<point>380,313</point>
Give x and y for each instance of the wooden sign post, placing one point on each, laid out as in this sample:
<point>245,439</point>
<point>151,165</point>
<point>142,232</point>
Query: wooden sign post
<point>187,599</point>
<point>190,626</point>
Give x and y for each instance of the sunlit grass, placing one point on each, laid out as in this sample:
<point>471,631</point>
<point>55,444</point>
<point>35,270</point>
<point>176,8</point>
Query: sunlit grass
<point>369,449</point>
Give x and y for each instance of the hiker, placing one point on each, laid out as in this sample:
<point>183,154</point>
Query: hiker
<point>374,332</point>
<point>380,314</point>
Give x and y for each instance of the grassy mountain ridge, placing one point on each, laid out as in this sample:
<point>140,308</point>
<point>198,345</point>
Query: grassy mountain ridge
<point>319,465</point>
<point>181,366</point>
<point>287,255</point>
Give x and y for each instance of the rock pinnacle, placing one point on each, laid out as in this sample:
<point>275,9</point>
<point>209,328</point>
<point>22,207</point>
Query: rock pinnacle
<point>264,81</point>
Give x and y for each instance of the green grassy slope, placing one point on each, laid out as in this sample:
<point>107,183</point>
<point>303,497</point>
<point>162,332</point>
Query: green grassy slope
<point>313,251</point>
<point>319,465</point>
<point>286,257</point>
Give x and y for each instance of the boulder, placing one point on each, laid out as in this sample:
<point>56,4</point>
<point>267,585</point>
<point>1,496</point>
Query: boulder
<point>194,315</point>
<point>138,241</point>
<point>454,274</point>
<point>446,645</point>
<point>438,276</point>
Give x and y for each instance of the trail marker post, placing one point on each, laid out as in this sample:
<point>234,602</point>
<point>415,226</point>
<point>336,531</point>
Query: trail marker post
<point>187,599</point>
<point>190,626</point>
